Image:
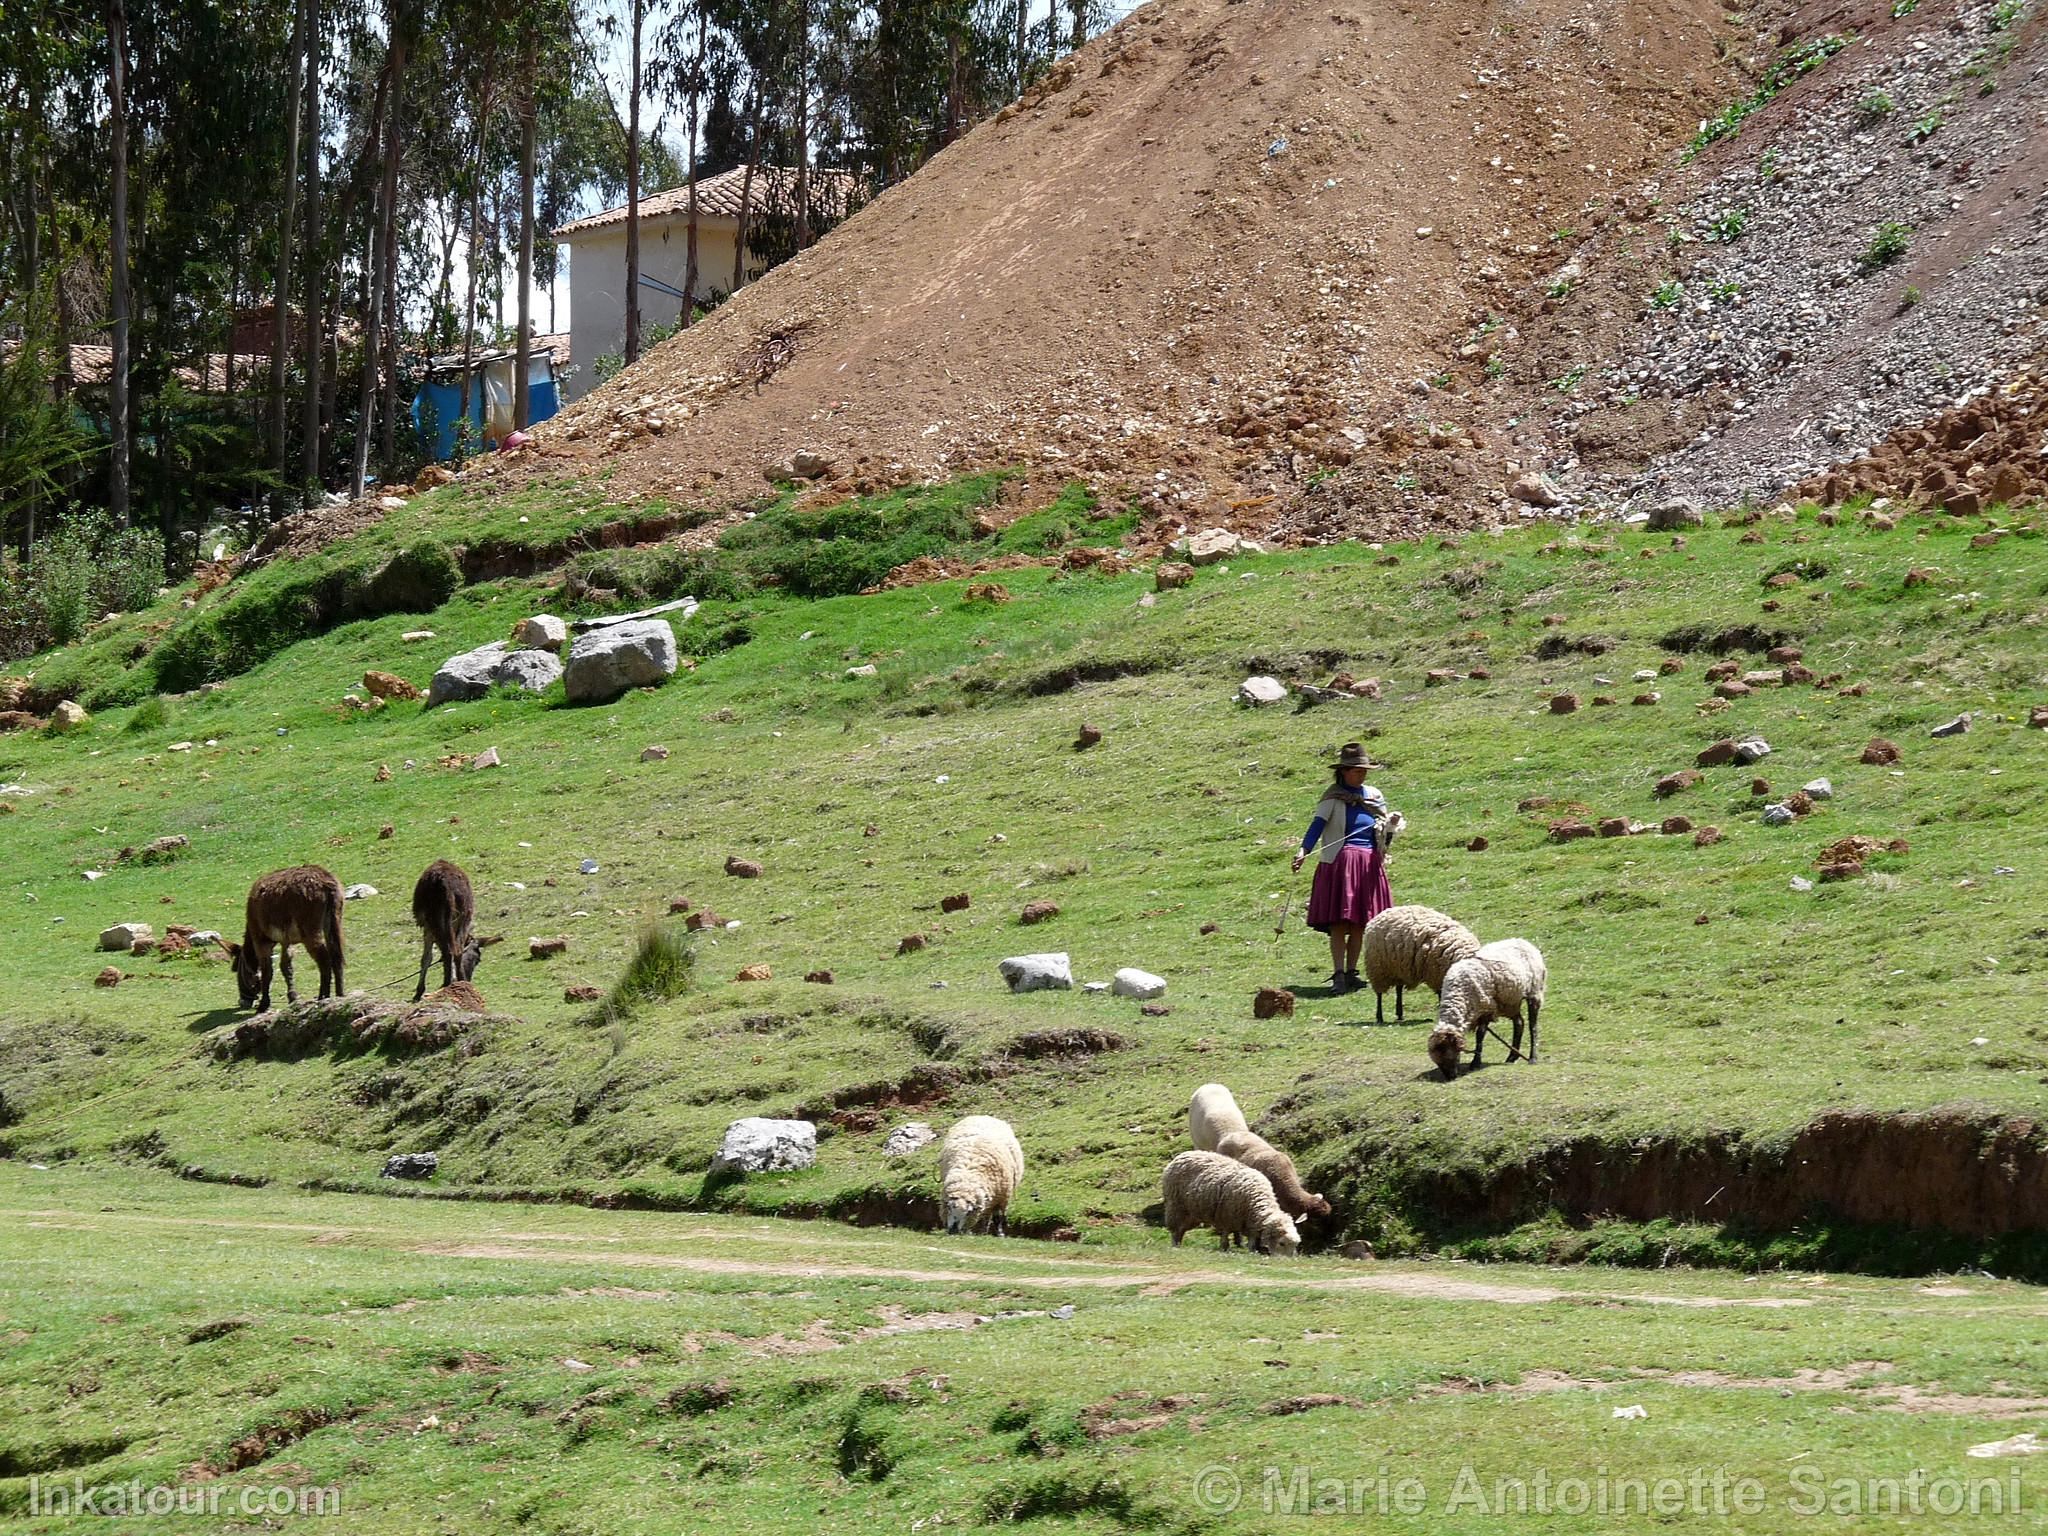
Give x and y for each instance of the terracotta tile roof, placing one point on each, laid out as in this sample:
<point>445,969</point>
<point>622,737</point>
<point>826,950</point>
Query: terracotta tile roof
<point>555,341</point>
<point>719,197</point>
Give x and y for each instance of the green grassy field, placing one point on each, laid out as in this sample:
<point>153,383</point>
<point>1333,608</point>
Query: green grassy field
<point>1914,988</point>
<point>410,1366</point>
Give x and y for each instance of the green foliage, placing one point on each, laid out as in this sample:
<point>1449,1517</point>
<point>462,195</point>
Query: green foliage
<point>663,963</point>
<point>1909,297</point>
<point>1727,224</point>
<point>1725,291</point>
<point>79,569</point>
<point>1877,104</point>
<point>2006,14</point>
<point>152,714</point>
<point>1800,59</point>
<point>1925,127</point>
<point>1904,8</point>
<point>41,441</point>
<point>1560,289</point>
<point>1888,244</point>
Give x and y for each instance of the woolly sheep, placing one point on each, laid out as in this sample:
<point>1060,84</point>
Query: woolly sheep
<point>1446,1046</point>
<point>1494,984</point>
<point>1207,1189</point>
<point>1212,1115</point>
<point>1412,947</point>
<point>980,1167</point>
<point>1254,1151</point>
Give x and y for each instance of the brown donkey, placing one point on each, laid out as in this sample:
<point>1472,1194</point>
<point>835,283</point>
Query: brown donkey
<point>287,907</point>
<point>444,906</point>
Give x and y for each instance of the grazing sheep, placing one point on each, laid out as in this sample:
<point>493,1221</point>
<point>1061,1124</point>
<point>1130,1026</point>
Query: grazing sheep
<point>980,1167</point>
<point>1212,1115</point>
<point>1412,947</point>
<point>1254,1151</point>
<point>1494,984</point>
<point>1446,1046</point>
<point>444,906</point>
<point>1207,1189</point>
<point>302,906</point>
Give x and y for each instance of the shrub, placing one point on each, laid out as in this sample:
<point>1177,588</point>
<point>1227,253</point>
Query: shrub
<point>1887,244</point>
<point>418,579</point>
<point>152,714</point>
<point>81,568</point>
<point>1727,224</point>
<point>1877,104</point>
<point>1667,294</point>
<point>663,963</point>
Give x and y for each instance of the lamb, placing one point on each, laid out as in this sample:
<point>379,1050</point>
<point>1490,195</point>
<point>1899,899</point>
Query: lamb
<point>1255,1152</point>
<point>1207,1189</point>
<point>980,1168</point>
<point>444,905</point>
<point>1494,984</point>
<point>1212,1115</point>
<point>1446,1046</point>
<point>301,905</point>
<point>1412,947</point>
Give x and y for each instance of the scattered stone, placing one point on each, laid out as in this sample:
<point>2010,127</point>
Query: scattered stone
<point>1088,736</point>
<point>1955,727</point>
<point>958,902</point>
<point>1673,783</point>
<point>1670,516</point>
<point>1675,826</point>
<point>1142,985</point>
<point>1156,1010</point>
<point>703,917</point>
<point>758,971</point>
<point>1785,653</point>
<point>1759,787</point>
<point>1477,845</point>
<point>581,994</point>
<point>1818,789</point>
<point>1706,837</point>
<point>742,869</point>
<point>1779,815</point>
<point>1570,828</point>
<point>359,892</point>
<point>1256,692</point>
<point>1563,703</point>
<point>1533,803</point>
<point>411,1165</point>
<point>1721,671</point>
<point>1800,883</point>
<point>1604,700</point>
<point>985,592</point>
<point>110,977</point>
<point>1878,752</point>
<point>909,1138</point>
<point>757,1144</point>
<point>1038,912</point>
<point>1436,677</point>
<point>1773,678</point>
<point>389,685</point>
<point>910,944</point>
<point>1846,869</point>
<point>1646,698</point>
<point>542,632</point>
<point>1535,490</point>
<point>1614,826</point>
<point>67,717</point>
<point>488,758</point>
<point>1799,803</point>
<point>1272,1003</point>
<point>1752,749</point>
<point>604,663</point>
<point>1732,690</point>
<point>126,935</point>
<point>820,978</point>
<point>1209,546</point>
<point>1171,574</point>
<point>473,674</point>
<point>654,754</point>
<point>865,669</point>
<point>541,949</point>
<point>1037,973</point>
<point>416,636</point>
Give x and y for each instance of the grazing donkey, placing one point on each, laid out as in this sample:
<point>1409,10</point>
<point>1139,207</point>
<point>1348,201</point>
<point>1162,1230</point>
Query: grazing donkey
<point>444,906</point>
<point>287,907</point>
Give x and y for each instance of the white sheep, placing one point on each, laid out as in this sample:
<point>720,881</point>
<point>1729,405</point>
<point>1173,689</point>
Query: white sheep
<point>1207,1189</point>
<point>1412,947</point>
<point>980,1168</point>
<point>1212,1115</point>
<point>1494,984</point>
<point>1446,1046</point>
<point>1255,1152</point>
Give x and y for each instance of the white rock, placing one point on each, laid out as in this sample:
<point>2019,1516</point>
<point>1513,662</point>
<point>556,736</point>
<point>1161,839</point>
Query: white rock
<point>1094,986</point>
<point>1819,789</point>
<point>1132,982</point>
<point>653,754</point>
<point>760,1145</point>
<point>1778,815</point>
<point>606,662</point>
<point>357,892</point>
<point>542,632</point>
<point>124,935</point>
<point>1038,973</point>
<point>179,746</point>
<point>908,1138</point>
<point>587,867</point>
<point>1669,516</point>
<point>67,716</point>
<point>488,758</point>
<point>1801,883</point>
<point>1752,749</point>
<point>865,669</point>
<point>1537,490</point>
<point>415,636</point>
<point>1208,546</point>
<point>1260,691</point>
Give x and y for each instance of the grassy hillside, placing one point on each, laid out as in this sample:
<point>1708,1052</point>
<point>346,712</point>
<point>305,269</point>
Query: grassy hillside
<point>439,1368</point>
<point>1911,988</point>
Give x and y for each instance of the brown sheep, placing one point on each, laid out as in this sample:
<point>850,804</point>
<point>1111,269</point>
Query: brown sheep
<point>1254,1151</point>
<point>287,907</point>
<point>444,906</point>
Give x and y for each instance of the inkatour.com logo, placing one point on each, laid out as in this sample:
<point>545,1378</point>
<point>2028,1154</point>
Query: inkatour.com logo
<point>78,1497</point>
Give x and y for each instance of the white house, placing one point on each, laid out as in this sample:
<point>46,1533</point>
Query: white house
<point>597,252</point>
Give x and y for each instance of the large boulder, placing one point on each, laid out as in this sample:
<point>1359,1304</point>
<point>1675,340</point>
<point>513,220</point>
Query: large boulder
<point>125,935</point>
<point>67,717</point>
<point>760,1145</point>
<point>473,674</point>
<point>542,632</point>
<point>1038,973</point>
<point>1670,516</point>
<point>606,662</point>
<point>532,671</point>
<point>1260,691</point>
<point>1132,982</point>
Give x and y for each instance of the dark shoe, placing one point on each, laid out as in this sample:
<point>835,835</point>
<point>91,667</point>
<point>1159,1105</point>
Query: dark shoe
<point>1353,980</point>
<point>1340,982</point>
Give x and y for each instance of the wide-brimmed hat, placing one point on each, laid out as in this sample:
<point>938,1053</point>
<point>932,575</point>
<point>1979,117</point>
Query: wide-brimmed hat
<point>1351,755</point>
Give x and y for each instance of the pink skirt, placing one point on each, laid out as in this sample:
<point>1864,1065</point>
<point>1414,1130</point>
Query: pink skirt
<point>1351,888</point>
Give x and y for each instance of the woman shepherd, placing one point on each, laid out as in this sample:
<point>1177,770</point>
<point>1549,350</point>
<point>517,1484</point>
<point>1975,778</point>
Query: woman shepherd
<point>1350,887</point>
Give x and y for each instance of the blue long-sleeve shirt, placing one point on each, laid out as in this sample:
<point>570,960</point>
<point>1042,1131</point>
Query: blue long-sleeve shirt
<point>1358,823</point>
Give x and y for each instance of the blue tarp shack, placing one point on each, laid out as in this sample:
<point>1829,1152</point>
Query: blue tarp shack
<point>437,410</point>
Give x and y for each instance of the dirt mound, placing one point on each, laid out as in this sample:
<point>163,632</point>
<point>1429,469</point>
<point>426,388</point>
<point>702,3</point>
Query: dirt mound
<point>1203,264</point>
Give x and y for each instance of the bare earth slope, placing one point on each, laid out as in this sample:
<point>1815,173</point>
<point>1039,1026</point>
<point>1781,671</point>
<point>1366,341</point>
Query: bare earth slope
<point>1203,262</point>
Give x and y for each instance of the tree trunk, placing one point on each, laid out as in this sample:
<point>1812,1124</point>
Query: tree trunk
<point>309,420</point>
<point>1078,9</point>
<point>696,97</point>
<point>234,319</point>
<point>802,124</point>
<point>1023,42</point>
<point>281,290</point>
<point>394,155</point>
<point>522,403</point>
<point>739,239</point>
<point>633,194</point>
<point>956,110</point>
<point>117,129</point>
<point>476,240</point>
<point>373,297</point>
